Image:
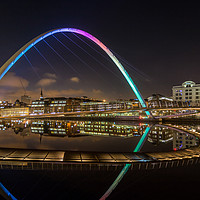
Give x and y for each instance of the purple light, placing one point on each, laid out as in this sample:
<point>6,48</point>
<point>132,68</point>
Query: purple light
<point>9,63</point>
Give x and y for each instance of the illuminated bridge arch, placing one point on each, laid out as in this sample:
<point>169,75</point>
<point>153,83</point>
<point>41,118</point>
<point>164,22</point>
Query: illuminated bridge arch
<point>6,67</point>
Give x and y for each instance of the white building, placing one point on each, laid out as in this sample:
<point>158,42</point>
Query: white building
<point>189,91</point>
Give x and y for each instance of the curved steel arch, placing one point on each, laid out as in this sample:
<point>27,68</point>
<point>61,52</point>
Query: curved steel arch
<point>127,166</point>
<point>9,63</point>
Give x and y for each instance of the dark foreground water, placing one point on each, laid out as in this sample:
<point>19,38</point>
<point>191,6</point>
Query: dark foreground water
<point>169,183</point>
<point>175,183</point>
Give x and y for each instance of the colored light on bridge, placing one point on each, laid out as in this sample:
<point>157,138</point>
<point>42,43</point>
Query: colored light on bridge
<point>6,67</point>
<point>127,166</point>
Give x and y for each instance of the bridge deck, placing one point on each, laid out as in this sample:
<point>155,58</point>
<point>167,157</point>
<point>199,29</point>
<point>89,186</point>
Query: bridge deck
<point>29,158</point>
<point>65,160</point>
<point>71,156</point>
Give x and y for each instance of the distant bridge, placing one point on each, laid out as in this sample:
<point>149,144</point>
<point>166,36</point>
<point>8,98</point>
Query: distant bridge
<point>190,111</point>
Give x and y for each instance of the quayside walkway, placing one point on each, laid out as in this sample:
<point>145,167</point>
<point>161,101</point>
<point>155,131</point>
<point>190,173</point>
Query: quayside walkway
<point>64,160</point>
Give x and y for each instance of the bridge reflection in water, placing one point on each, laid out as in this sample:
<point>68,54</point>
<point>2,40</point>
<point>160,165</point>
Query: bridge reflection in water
<point>181,138</point>
<point>62,145</point>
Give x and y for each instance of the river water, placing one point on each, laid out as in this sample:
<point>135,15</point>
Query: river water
<point>98,136</point>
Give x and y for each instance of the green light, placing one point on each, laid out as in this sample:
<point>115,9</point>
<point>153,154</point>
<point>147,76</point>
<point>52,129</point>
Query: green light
<point>138,147</point>
<point>126,167</point>
<point>7,66</point>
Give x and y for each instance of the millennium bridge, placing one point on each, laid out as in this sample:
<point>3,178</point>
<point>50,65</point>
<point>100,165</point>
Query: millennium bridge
<point>54,160</point>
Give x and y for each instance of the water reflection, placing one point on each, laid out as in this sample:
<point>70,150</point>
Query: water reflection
<point>92,136</point>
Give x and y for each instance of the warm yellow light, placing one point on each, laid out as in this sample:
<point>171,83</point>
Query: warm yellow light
<point>104,100</point>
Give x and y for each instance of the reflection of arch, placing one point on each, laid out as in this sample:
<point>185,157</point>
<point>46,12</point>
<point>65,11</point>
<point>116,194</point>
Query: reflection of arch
<point>6,67</point>
<point>172,156</point>
<point>127,166</point>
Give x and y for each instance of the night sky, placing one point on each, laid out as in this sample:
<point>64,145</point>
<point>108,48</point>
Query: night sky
<point>160,40</point>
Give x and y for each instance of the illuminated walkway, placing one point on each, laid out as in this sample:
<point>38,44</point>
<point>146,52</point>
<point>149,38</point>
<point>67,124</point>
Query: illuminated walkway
<point>75,157</point>
<point>59,160</point>
<point>192,111</point>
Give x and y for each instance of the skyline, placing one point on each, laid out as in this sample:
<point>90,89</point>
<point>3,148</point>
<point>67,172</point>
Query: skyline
<point>162,48</point>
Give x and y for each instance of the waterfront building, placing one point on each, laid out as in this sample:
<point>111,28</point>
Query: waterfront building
<point>60,128</point>
<point>102,105</point>
<point>58,105</point>
<point>123,104</point>
<point>77,104</point>
<point>18,109</point>
<point>14,111</point>
<point>4,104</point>
<point>158,100</point>
<point>18,125</point>
<point>110,129</point>
<point>189,91</point>
<point>37,106</point>
<point>26,99</point>
<point>182,141</point>
<point>160,135</point>
<point>48,105</point>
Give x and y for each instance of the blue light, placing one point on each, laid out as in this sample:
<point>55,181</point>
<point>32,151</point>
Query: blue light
<point>6,67</point>
<point>7,192</point>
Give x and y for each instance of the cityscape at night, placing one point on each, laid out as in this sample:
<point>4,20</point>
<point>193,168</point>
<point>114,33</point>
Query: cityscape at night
<point>99,100</point>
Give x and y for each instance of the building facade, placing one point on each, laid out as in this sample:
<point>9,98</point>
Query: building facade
<point>102,128</point>
<point>5,104</point>
<point>77,104</point>
<point>26,99</point>
<point>160,135</point>
<point>189,91</point>
<point>15,111</point>
<point>60,105</point>
<point>158,100</point>
<point>182,141</point>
